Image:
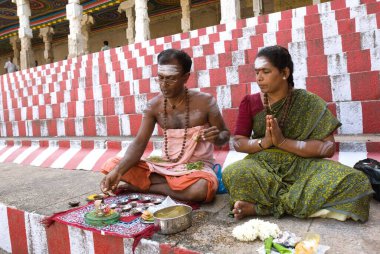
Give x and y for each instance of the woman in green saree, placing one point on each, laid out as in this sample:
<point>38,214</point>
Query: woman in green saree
<point>285,172</point>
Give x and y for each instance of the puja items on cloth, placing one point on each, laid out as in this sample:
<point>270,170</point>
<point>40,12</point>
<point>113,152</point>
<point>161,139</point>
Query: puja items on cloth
<point>102,215</point>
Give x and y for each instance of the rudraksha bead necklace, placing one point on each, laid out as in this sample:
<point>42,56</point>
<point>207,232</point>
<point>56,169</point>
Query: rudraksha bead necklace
<point>187,120</point>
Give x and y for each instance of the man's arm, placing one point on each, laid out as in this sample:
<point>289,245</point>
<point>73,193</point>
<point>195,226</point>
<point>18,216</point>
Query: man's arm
<point>134,152</point>
<point>218,133</point>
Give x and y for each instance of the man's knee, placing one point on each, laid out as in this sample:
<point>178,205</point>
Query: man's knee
<point>110,165</point>
<point>199,191</point>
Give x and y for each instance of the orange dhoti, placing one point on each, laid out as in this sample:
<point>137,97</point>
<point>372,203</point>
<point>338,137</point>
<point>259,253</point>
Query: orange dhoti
<point>176,174</point>
<point>139,176</point>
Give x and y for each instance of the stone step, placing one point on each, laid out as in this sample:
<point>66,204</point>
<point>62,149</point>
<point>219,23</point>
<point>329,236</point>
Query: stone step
<point>265,39</point>
<point>335,90</point>
<point>232,68</point>
<point>210,233</point>
<point>366,25</point>
<point>49,191</point>
<point>337,44</point>
<point>90,153</point>
<point>357,117</point>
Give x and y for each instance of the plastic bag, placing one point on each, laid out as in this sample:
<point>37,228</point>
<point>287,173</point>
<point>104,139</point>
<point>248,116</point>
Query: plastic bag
<point>371,168</point>
<point>218,171</point>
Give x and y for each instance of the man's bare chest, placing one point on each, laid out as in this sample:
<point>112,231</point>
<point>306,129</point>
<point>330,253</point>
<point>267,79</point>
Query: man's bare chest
<point>177,119</point>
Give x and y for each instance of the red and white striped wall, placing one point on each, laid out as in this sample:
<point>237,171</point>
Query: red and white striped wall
<point>22,232</point>
<point>334,46</point>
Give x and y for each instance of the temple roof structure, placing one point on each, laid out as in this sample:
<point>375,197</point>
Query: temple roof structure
<point>53,13</point>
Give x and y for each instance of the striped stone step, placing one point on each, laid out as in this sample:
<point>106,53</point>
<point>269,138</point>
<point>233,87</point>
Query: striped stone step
<point>352,7</point>
<point>336,88</point>
<point>367,22</point>
<point>90,154</point>
<point>357,117</point>
<point>242,44</point>
<point>317,47</point>
<point>317,66</point>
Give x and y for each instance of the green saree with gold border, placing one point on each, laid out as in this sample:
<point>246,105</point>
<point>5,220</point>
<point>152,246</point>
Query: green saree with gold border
<point>278,182</point>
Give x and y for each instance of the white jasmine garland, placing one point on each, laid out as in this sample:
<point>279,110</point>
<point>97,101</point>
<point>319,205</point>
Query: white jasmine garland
<point>255,228</point>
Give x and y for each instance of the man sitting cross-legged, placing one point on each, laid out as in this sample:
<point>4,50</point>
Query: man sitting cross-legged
<point>192,123</point>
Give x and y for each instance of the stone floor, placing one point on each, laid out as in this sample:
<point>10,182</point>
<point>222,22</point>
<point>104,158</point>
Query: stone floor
<point>45,191</point>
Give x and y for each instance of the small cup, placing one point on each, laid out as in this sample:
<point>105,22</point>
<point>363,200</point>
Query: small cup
<point>99,196</point>
<point>157,201</point>
<point>148,205</point>
<point>126,208</point>
<point>74,203</point>
<point>134,197</point>
<point>133,203</point>
<point>124,201</point>
<point>136,210</point>
<point>146,199</point>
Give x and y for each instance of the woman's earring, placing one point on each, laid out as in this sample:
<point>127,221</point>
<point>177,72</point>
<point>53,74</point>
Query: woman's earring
<point>284,77</point>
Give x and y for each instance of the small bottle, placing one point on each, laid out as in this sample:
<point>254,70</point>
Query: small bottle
<point>309,245</point>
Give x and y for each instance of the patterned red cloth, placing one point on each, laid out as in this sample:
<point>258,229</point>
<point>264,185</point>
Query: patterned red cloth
<point>249,107</point>
<point>129,226</point>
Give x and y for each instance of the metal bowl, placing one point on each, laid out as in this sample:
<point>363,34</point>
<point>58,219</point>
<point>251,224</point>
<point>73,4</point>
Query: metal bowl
<point>173,219</point>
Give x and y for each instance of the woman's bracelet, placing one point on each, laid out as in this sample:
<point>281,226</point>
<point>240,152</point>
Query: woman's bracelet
<point>260,144</point>
<point>282,142</point>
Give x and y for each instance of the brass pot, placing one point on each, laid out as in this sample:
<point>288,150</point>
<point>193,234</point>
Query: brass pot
<point>173,219</point>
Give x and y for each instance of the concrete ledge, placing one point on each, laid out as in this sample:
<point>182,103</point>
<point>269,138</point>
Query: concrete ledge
<point>29,193</point>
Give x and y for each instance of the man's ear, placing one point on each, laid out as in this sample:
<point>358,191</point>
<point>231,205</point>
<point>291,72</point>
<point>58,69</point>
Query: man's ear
<point>186,77</point>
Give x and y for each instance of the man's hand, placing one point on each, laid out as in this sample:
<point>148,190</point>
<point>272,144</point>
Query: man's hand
<point>110,182</point>
<point>210,134</point>
<point>276,133</point>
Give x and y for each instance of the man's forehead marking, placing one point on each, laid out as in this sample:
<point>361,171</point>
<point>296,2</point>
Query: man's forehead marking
<point>168,69</point>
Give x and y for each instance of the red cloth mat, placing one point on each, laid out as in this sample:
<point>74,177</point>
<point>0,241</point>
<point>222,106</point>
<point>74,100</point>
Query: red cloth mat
<point>129,225</point>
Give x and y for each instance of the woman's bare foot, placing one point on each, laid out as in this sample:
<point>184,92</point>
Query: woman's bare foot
<point>243,209</point>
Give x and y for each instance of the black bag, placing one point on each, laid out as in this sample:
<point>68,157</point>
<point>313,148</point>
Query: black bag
<point>371,168</point>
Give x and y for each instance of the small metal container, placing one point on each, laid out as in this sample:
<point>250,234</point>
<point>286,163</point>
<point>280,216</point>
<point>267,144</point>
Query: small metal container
<point>124,201</point>
<point>134,197</point>
<point>137,210</point>
<point>126,208</point>
<point>146,199</point>
<point>169,224</point>
<point>157,201</point>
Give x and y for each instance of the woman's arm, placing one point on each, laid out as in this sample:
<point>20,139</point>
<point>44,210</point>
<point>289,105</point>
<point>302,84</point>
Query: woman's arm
<point>245,145</point>
<point>310,148</point>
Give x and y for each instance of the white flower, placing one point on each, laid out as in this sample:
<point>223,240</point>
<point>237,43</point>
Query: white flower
<point>255,228</point>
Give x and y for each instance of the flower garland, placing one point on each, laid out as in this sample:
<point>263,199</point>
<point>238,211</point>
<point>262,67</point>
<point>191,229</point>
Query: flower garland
<point>256,228</point>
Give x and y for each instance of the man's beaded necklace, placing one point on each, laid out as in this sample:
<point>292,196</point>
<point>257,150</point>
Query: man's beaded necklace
<point>187,120</point>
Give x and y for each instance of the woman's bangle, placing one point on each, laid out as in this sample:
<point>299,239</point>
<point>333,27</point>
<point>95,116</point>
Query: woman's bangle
<point>282,142</point>
<point>259,142</point>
